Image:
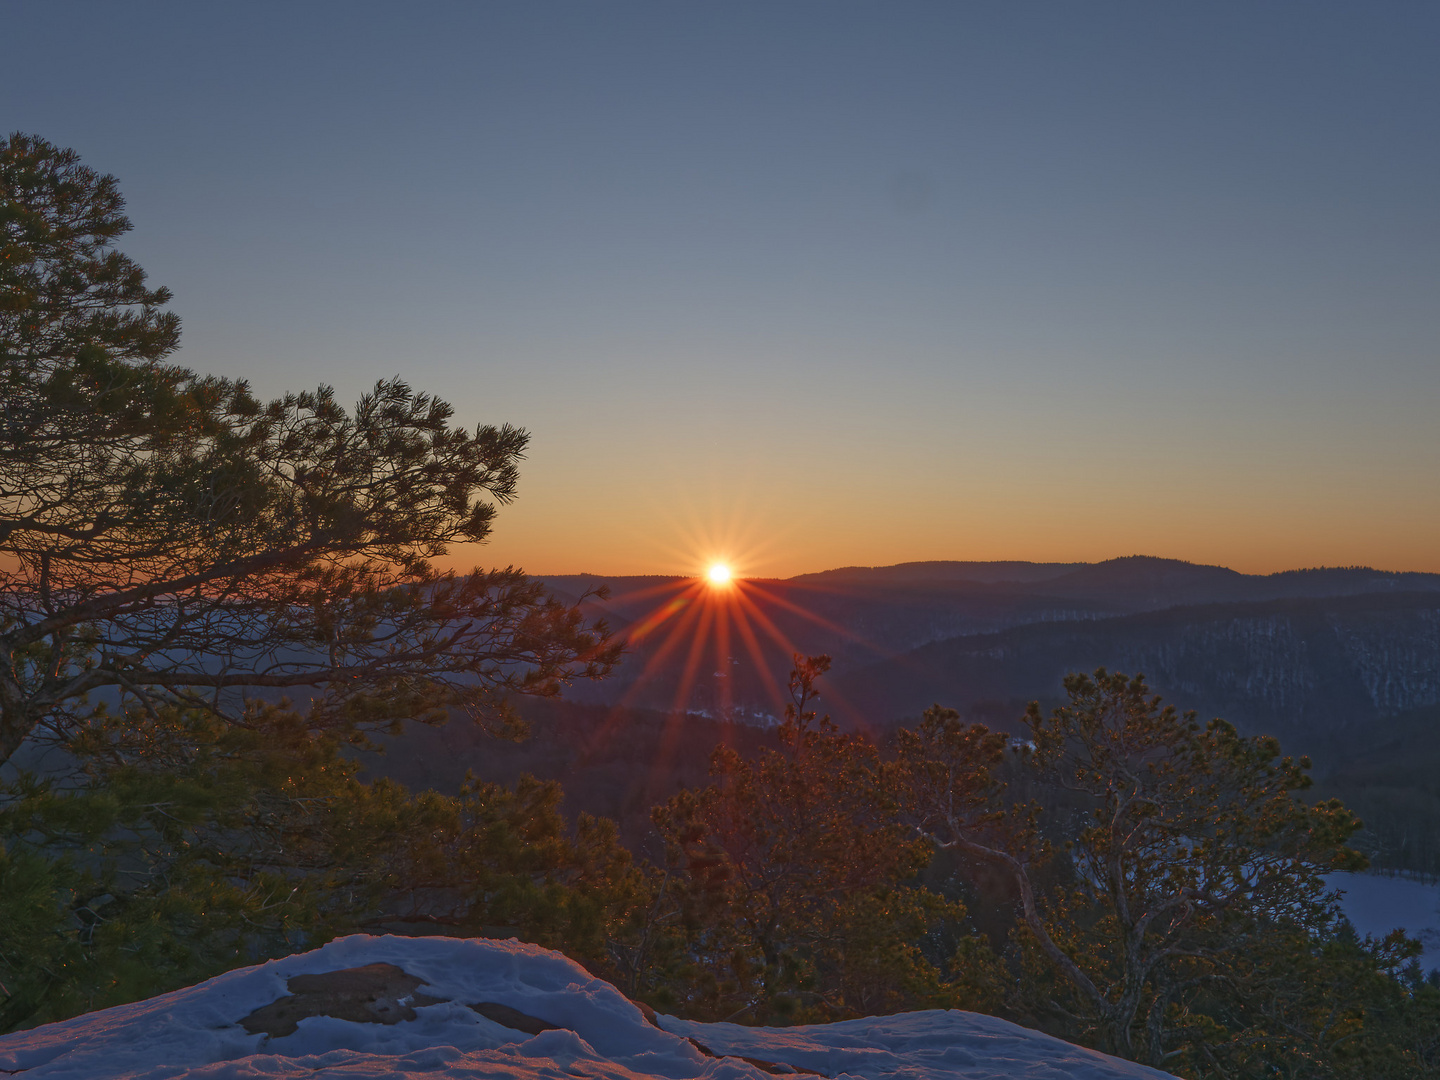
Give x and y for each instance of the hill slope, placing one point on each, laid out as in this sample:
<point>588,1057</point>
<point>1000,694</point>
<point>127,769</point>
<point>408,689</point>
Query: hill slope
<point>1323,672</point>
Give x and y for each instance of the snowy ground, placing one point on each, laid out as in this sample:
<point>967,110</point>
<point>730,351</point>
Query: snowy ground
<point>1376,904</point>
<point>599,1034</point>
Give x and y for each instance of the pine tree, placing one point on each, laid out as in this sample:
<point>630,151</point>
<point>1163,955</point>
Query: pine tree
<point>789,879</point>
<point>173,541</point>
<point>1190,845</point>
<point>185,845</point>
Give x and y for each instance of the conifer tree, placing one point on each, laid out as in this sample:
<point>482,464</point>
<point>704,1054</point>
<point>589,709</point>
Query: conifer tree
<point>173,541</point>
<point>788,877</point>
<point>183,846</point>
<point>1190,848</point>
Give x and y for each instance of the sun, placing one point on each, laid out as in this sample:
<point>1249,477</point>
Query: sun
<point>719,574</point>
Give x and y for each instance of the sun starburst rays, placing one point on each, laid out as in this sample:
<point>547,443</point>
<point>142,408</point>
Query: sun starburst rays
<point>683,631</point>
<point>694,630</point>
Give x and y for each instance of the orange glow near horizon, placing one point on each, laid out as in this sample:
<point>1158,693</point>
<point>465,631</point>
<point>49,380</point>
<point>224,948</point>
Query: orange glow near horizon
<point>1024,508</point>
<point>698,621</point>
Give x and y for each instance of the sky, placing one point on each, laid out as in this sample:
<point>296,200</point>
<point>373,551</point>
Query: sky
<point>802,285</point>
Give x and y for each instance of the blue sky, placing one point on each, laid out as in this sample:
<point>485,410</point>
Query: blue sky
<point>804,285</point>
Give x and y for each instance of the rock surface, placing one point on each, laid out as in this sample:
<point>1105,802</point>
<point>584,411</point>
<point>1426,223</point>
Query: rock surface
<point>367,1008</point>
<point>370,994</point>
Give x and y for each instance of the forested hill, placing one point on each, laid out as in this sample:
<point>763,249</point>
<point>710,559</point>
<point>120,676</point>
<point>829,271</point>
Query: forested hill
<point>1300,651</point>
<point>1312,670</point>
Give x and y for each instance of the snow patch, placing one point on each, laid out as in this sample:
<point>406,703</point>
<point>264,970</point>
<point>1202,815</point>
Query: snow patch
<point>1376,904</point>
<point>197,1033</point>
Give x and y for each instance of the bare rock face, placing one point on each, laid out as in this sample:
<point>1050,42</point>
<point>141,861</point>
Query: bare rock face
<point>513,1019</point>
<point>387,994</point>
<point>373,994</point>
<point>773,1067</point>
<point>647,1012</point>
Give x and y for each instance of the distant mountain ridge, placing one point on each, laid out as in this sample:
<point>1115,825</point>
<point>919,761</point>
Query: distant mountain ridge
<point>944,570</point>
<point>1296,667</point>
<point>1139,579</point>
<point>1316,647</point>
<point>1144,582</point>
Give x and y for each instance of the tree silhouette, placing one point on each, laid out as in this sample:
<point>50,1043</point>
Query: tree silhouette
<point>170,539</point>
<point>789,876</point>
<point>1189,846</point>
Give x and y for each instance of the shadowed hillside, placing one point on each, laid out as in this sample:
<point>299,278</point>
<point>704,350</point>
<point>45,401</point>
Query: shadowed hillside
<point>1317,672</point>
<point>922,632</point>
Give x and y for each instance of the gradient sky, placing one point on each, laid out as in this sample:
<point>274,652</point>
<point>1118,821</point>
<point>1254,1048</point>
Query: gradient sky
<point>815,284</point>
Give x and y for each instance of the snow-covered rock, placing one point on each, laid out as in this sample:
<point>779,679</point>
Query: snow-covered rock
<point>434,1032</point>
